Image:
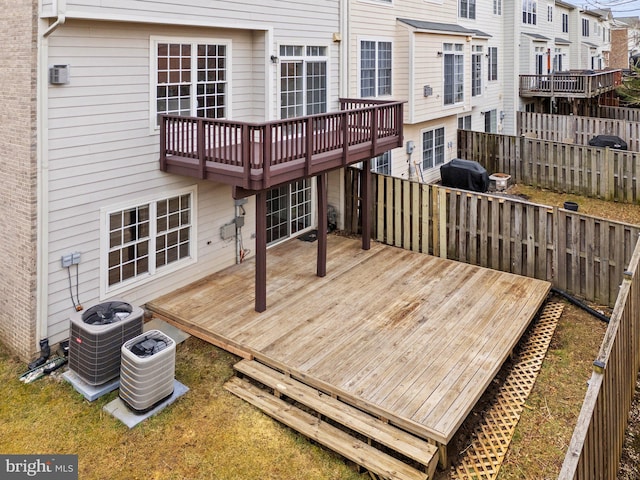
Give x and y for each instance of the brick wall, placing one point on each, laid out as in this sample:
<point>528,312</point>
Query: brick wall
<point>18,65</point>
<point>619,57</point>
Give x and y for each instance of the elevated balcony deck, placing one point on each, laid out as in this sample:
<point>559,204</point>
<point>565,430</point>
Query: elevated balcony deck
<point>573,84</point>
<point>258,156</point>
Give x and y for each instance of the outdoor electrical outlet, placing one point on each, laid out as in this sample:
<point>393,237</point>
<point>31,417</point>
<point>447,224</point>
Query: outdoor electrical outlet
<point>75,259</point>
<point>67,260</point>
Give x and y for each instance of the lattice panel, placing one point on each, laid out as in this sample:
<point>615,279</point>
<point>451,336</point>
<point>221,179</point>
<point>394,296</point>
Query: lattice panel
<point>490,440</point>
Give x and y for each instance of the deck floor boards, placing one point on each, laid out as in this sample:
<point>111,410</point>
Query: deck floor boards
<point>412,338</point>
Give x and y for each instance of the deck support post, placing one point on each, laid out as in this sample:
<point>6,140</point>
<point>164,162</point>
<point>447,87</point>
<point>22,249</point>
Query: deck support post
<point>261,251</point>
<point>365,203</point>
<point>322,224</point>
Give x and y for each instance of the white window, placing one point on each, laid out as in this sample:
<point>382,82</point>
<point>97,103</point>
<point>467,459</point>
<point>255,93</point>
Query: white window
<point>375,68</point>
<point>432,148</point>
<point>493,64</point>
<point>585,27</point>
<point>453,73</point>
<point>148,238</point>
<point>303,80</point>
<point>468,9</point>
<point>565,23</point>
<point>550,13</point>
<point>382,164</point>
<point>541,53</point>
<point>191,78</point>
<point>530,12</point>
<point>491,121</point>
<point>476,71</point>
<point>289,210</point>
<point>497,7</point>
<point>464,122</point>
<point>558,61</point>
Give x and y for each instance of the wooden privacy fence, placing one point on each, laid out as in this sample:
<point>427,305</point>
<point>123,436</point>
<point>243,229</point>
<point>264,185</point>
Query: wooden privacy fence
<point>560,167</point>
<point>577,129</point>
<point>577,253</point>
<point>596,445</point>
<point>620,113</point>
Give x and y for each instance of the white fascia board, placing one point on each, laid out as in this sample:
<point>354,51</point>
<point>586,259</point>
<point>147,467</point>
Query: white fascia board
<point>197,22</point>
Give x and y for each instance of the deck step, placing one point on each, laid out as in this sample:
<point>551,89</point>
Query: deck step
<point>354,419</point>
<point>325,434</point>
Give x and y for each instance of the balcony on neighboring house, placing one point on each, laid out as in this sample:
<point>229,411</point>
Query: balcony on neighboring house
<point>572,84</point>
<point>257,156</point>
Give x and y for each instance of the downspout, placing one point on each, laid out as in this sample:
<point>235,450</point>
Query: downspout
<point>345,48</point>
<point>42,162</point>
<point>61,18</point>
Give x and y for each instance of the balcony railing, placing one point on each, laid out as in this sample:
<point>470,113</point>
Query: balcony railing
<point>578,84</point>
<point>256,156</point>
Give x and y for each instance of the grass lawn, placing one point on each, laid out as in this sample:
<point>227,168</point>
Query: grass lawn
<point>206,434</point>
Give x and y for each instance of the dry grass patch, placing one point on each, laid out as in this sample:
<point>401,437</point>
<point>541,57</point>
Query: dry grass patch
<point>207,434</point>
<point>621,212</point>
<point>543,434</point>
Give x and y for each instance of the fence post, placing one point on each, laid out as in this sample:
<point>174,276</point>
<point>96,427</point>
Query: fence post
<point>610,173</point>
<point>442,207</point>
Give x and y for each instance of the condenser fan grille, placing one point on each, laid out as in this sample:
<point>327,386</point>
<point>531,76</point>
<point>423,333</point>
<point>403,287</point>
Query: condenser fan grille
<point>107,312</point>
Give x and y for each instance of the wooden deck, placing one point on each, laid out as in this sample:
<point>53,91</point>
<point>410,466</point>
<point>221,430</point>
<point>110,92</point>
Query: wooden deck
<point>410,338</point>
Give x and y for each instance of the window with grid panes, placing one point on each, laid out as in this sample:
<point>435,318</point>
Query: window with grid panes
<point>382,164</point>
<point>493,64</point>
<point>432,148</point>
<point>375,68</point>
<point>467,9</point>
<point>191,79</point>
<point>530,12</point>
<point>453,73</point>
<point>476,71</point>
<point>145,238</point>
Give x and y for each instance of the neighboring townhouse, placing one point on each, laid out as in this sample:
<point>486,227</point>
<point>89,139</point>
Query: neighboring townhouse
<point>587,35</point>
<point>562,49</point>
<point>530,40</point>
<point>604,42</point>
<point>92,215</point>
<point>438,56</point>
<point>560,64</point>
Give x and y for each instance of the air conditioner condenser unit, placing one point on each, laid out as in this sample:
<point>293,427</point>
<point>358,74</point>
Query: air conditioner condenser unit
<point>148,370</point>
<point>96,337</point>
